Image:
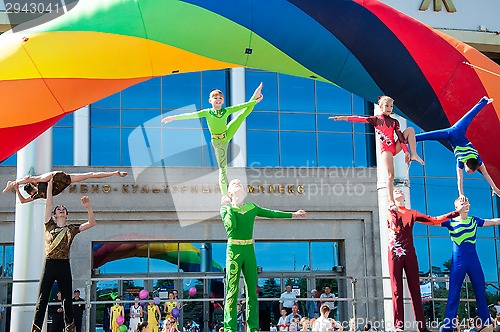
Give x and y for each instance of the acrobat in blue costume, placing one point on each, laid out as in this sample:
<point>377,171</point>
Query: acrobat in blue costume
<point>466,155</point>
<point>465,261</point>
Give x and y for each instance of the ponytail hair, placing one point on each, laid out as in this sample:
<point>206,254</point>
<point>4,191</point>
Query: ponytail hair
<point>141,326</point>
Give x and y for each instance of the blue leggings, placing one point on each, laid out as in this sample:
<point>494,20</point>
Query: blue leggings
<point>455,134</point>
<point>466,263</point>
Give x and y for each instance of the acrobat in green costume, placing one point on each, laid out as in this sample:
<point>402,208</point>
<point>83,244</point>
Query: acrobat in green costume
<point>240,257</point>
<point>222,132</point>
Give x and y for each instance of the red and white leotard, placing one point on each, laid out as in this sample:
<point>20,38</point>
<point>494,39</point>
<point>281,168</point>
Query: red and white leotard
<point>385,127</point>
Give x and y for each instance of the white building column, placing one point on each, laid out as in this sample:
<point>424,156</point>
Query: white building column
<point>400,173</point>
<point>29,250</point>
<point>81,137</point>
<point>239,142</point>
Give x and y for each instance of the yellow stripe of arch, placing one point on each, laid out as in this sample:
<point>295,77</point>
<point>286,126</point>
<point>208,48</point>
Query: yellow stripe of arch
<point>98,55</point>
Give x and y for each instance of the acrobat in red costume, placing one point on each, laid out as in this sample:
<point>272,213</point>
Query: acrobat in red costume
<point>386,127</point>
<point>402,256</point>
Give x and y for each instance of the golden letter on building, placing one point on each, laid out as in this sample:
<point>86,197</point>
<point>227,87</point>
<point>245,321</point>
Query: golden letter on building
<point>450,7</point>
<point>106,188</point>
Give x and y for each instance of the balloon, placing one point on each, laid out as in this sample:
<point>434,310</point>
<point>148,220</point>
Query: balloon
<point>156,299</point>
<point>192,291</point>
<point>120,320</point>
<point>176,312</point>
<point>122,328</point>
<point>143,294</point>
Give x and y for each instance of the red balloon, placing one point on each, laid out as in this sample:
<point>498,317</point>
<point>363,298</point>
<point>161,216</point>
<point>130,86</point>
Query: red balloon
<point>120,320</point>
<point>192,291</point>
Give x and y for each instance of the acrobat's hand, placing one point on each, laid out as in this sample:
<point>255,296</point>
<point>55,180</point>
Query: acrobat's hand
<point>86,202</point>
<point>299,213</point>
<point>463,199</point>
<point>463,207</point>
<point>392,207</point>
<point>259,99</point>
<point>168,119</point>
<point>257,94</point>
<point>407,158</point>
<point>225,200</point>
<point>338,118</point>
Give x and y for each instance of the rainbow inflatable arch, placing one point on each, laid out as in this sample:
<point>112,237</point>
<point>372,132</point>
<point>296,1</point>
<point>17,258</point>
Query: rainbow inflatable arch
<point>364,46</point>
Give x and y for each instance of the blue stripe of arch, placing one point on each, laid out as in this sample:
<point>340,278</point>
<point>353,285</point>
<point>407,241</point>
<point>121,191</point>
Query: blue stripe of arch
<point>300,37</point>
<point>370,40</point>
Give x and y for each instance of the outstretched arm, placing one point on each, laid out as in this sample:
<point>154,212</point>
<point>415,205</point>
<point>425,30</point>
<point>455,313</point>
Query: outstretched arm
<point>350,118</point>
<point>266,213</point>
<point>22,199</point>
<point>185,116</point>
<point>460,183</point>
<point>91,222</point>
<point>488,178</point>
<point>425,219</point>
<point>491,222</point>
<point>49,203</point>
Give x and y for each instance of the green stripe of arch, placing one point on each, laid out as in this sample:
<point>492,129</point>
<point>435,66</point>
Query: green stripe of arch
<point>177,24</point>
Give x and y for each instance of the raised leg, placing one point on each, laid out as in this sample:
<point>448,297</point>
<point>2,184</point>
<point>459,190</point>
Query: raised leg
<point>409,135</point>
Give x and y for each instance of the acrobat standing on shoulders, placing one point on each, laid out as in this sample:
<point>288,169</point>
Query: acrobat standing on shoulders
<point>386,127</point>
<point>222,131</point>
<point>467,156</point>
<point>238,218</point>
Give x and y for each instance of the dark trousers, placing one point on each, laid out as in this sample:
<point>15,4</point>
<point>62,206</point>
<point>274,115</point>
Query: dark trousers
<point>55,270</point>
<point>409,264</point>
<point>78,323</point>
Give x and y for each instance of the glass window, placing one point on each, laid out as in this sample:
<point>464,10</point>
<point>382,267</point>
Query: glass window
<point>422,250</point>
<point>442,193</point>
<point>135,118</point>
<point>296,94</point>
<point>335,126</point>
<point>360,150</point>
<point>332,99</point>
<point>335,150</point>
<point>11,161</point>
<point>2,263</point>
<point>439,160</point>
<point>262,148</point>
<point>299,122</point>
<point>219,254</point>
<point>164,257</point>
<point>183,147</point>
<point>104,117</point>
<point>66,121</point>
<point>440,255</point>
<point>105,146</point>
<point>9,261</point>
<point>181,90</point>
<point>263,120</point>
<point>285,256</point>
<point>417,200</point>
<point>298,149</point>
<point>62,143</point>
<point>324,255</point>
<point>143,95</point>
<point>358,105</point>
<point>115,258</point>
<point>486,250</point>
<point>141,146</point>
<point>112,101</point>
<point>213,79</point>
<point>270,91</point>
